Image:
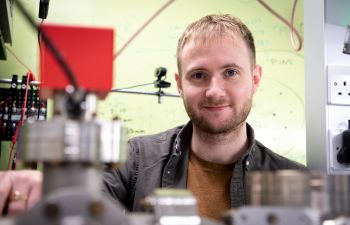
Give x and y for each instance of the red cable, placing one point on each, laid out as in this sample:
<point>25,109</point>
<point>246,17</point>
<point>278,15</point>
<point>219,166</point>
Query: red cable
<point>291,27</point>
<point>16,57</point>
<point>142,27</point>
<point>30,77</point>
<point>291,32</point>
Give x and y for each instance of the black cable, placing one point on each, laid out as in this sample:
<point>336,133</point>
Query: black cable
<point>51,46</point>
<point>14,159</point>
<point>39,35</point>
<point>39,109</point>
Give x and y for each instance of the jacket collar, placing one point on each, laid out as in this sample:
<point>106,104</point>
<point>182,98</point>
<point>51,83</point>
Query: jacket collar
<point>183,142</point>
<point>183,139</point>
<point>246,158</point>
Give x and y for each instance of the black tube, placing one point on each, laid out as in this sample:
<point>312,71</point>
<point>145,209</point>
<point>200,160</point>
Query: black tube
<point>51,46</point>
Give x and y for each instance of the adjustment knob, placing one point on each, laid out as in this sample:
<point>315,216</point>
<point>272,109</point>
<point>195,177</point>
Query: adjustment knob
<point>343,155</point>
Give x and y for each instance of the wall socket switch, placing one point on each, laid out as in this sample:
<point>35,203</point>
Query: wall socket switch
<point>338,84</point>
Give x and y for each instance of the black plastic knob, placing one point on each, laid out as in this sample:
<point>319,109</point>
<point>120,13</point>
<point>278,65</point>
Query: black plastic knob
<point>343,155</point>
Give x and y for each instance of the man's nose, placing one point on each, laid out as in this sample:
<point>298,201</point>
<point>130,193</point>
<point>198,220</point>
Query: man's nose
<point>216,88</point>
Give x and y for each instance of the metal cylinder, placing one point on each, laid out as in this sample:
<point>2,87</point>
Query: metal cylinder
<point>81,176</point>
<point>328,194</point>
<point>72,147</point>
<point>281,188</point>
<point>61,140</point>
<point>174,206</point>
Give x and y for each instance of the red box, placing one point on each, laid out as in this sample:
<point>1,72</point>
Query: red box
<point>87,51</point>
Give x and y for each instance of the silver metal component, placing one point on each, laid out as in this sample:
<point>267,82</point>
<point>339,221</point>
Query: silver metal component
<point>174,207</point>
<point>73,207</point>
<point>281,188</point>
<point>140,219</point>
<point>272,216</point>
<point>330,194</point>
<point>9,81</point>
<point>72,150</point>
<point>59,106</point>
<point>69,89</point>
<point>114,139</point>
<point>149,219</point>
<point>66,140</point>
<point>338,221</point>
<point>88,105</point>
<point>63,140</point>
<point>144,92</point>
<point>81,176</point>
<point>60,141</point>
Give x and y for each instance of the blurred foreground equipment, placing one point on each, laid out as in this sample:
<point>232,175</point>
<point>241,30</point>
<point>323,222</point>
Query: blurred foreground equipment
<point>74,144</point>
<point>290,197</point>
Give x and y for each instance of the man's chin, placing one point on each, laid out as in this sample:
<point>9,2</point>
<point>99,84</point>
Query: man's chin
<point>214,128</point>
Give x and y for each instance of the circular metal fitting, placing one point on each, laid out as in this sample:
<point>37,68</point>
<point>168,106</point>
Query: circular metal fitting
<point>328,194</point>
<point>281,188</point>
<point>62,140</point>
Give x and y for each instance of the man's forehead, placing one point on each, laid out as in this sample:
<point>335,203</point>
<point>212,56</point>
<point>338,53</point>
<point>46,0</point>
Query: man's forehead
<point>205,41</point>
<point>199,46</point>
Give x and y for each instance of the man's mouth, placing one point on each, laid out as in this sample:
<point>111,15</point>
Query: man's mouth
<point>216,108</point>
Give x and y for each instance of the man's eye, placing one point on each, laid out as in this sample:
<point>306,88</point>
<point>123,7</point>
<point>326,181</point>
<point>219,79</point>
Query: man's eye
<point>231,73</point>
<point>198,75</point>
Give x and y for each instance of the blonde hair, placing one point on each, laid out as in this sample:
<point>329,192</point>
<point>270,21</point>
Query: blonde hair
<point>213,27</point>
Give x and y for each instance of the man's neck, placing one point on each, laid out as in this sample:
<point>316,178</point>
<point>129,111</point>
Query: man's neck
<point>220,148</point>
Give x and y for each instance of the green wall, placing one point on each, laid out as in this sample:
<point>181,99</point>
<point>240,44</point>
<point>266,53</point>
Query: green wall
<point>278,110</point>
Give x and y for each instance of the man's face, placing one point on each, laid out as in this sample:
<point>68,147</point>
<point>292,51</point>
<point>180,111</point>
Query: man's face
<point>217,83</point>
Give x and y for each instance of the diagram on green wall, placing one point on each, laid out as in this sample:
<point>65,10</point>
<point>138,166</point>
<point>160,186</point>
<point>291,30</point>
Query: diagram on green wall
<point>278,110</point>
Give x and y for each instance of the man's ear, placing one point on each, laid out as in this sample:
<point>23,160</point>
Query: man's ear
<point>257,73</point>
<point>178,83</point>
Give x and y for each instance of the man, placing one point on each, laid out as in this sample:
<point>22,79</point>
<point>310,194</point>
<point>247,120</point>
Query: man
<point>210,155</point>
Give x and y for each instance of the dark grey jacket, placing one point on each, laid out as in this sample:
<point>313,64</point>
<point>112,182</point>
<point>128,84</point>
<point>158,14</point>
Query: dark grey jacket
<point>161,160</point>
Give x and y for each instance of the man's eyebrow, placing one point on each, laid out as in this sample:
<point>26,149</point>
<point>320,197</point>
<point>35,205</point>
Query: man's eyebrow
<point>234,65</point>
<point>201,68</point>
<point>196,68</point>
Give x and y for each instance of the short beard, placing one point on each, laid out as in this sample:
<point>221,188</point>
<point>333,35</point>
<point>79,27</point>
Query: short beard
<point>233,123</point>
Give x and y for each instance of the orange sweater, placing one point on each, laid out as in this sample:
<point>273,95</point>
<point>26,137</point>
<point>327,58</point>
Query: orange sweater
<point>210,184</point>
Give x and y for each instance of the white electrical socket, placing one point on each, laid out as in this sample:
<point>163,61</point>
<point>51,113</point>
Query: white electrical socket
<point>338,84</point>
